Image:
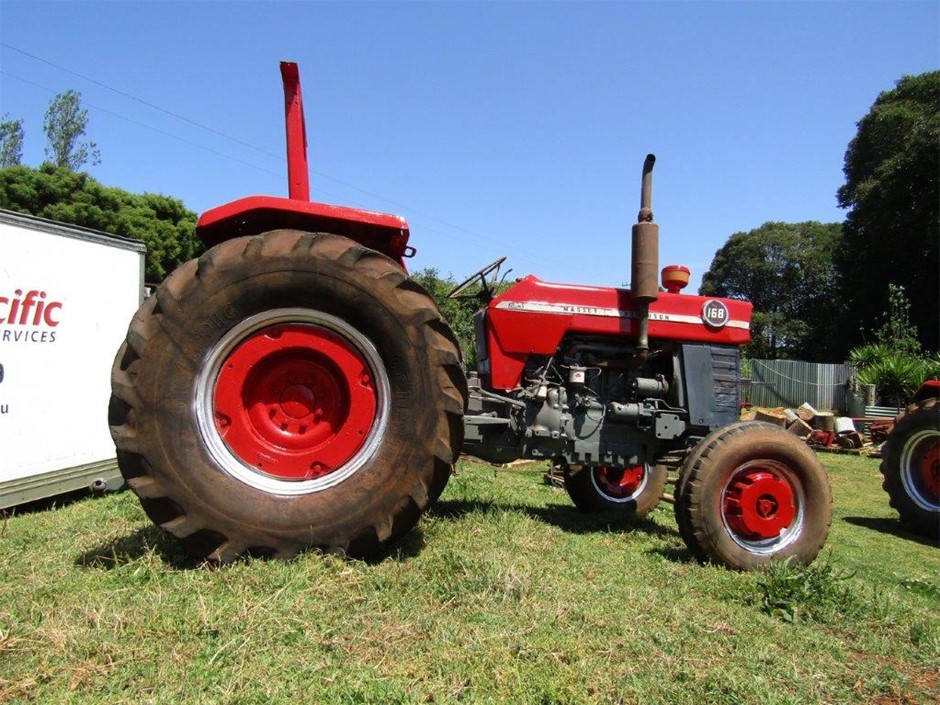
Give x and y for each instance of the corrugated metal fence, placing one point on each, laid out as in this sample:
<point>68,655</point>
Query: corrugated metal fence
<point>789,383</point>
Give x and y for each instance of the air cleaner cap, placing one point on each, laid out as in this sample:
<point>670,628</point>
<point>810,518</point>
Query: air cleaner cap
<point>675,277</point>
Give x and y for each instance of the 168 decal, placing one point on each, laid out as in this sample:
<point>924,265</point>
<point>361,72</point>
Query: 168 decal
<point>715,313</point>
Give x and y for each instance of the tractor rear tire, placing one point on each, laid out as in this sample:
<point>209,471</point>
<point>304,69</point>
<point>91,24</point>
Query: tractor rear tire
<point>909,466</point>
<point>752,493</point>
<point>287,391</point>
<point>633,492</point>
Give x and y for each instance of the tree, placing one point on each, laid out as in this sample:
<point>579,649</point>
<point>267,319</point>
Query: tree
<point>165,225</point>
<point>786,270</point>
<point>457,312</point>
<point>65,124</point>
<point>897,332</point>
<point>892,188</point>
<point>11,141</point>
<point>893,363</point>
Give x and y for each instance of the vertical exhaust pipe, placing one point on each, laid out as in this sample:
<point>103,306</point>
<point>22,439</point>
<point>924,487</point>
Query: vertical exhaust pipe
<point>644,285</point>
<point>298,174</point>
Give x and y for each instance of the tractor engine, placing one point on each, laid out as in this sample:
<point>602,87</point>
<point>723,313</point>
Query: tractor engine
<point>604,377</point>
<point>591,404</point>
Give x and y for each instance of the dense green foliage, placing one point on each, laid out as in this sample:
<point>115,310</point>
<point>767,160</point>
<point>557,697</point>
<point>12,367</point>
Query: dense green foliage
<point>896,376</point>
<point>816,290</point>
<point>896,330</point>
<point>894,362</point>
<point>786,270</point>
<point>504,593</point>
<point>458,312</point>
<point>11,142</point>
<point>65,125</point>
<point>892,188</point>
<point>165,225</point>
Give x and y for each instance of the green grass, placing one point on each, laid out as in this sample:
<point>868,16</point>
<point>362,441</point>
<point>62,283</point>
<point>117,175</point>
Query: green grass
<point>503,594</point>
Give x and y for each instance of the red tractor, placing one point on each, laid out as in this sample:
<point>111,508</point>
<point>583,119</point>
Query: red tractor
<point>294,388</point>
<point>910,463</point>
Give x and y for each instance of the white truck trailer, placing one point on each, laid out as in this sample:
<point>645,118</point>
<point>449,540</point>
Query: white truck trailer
<point>66,294</point>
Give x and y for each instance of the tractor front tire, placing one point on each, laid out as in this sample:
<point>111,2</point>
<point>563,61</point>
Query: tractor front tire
<point>752,493</point>
<point>910,467</point>
<point>287,391</point>
<point>631,491</point>
<point>683,478</point>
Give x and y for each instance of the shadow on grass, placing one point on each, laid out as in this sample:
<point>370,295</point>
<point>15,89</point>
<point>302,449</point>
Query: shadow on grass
<point>153,540</point>
<point>893,527</point>
<point>408,546</point>
<point>673,554</point>
<point>127,549</point>
<point>562,516</point>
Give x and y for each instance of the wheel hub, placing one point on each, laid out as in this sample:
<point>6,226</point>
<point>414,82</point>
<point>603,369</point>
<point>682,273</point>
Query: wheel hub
<point>759,505</point>
<point>619,482</point>
<point>298,401</point>
<point>294,401</point>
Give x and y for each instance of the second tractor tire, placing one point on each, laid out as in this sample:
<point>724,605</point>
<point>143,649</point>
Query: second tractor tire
<point>632,491</point>
<point>910,465</point>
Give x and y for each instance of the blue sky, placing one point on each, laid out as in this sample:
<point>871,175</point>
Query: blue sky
<point>503,128</point>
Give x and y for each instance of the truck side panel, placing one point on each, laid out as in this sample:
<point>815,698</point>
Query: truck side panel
<point>66,294</point>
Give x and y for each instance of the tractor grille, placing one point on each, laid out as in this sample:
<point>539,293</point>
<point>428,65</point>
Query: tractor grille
<point>725,361</point>
<point>710,374</point>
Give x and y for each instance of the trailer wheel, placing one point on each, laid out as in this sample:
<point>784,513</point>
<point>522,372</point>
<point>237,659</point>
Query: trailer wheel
<point>635,491</point>
<point>752,493</point>
<point>286,391</point>
<point>911,468</point>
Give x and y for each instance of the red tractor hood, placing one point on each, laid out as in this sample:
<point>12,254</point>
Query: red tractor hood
<point>533,316</point>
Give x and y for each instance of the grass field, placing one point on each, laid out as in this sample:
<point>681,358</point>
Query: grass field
<point>503,594</point>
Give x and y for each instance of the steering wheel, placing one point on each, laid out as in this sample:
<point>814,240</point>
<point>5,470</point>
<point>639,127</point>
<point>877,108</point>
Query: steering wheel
<point>481,275</point>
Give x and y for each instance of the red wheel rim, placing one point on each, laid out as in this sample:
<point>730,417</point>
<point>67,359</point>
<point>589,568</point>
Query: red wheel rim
<point>294,401</point>
<point>930,469</point>
<point>920,466</point>
<point>618,483</point>
<point>759,503</point>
